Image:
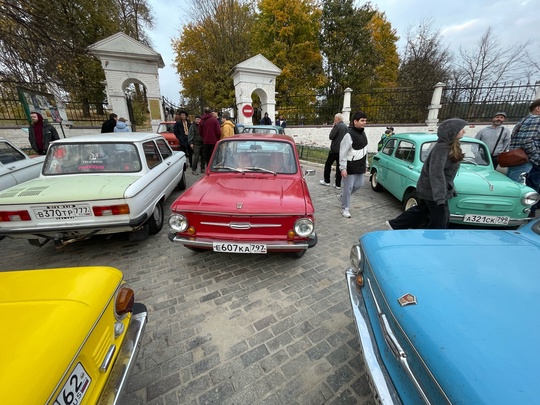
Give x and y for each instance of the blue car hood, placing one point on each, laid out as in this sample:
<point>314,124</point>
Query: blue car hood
<point>476,324</point>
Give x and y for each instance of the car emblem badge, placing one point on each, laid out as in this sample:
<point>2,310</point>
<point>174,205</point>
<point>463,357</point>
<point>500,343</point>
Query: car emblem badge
<point>407,299</point>
<point>239,205</point>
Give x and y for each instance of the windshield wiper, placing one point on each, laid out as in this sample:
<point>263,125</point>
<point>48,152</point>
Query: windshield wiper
<point>234,169</point>
<point>260,169</point>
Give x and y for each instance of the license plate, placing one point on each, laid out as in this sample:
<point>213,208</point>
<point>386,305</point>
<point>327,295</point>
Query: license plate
<point>239,248</point>
<point>486,219</point>
<point>62,211</point>
<point>75,387</point>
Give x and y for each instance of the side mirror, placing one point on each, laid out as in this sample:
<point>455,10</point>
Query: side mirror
<point>309,172</point>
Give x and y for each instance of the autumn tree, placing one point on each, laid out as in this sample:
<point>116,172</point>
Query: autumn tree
<point>286,33</point>
<point>359,49</point>
<point>208,48</point>
<point>426,61</point>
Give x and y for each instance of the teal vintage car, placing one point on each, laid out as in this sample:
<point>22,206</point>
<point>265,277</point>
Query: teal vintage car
<point>485,197</point>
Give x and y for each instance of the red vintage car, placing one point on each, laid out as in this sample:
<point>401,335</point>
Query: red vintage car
<point>253,199</point>
<point>165,129</point>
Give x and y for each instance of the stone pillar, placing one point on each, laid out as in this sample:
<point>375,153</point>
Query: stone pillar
<point>435,105</point>
<point>347,106</point>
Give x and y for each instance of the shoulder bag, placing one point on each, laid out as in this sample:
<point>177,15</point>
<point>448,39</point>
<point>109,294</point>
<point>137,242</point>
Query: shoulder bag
<point>513,157</point>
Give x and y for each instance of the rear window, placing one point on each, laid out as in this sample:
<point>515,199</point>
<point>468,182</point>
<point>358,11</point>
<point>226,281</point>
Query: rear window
<point>92,157</point>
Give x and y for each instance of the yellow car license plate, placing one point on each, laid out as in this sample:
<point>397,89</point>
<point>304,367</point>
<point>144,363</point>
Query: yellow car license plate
<point>75,387</point>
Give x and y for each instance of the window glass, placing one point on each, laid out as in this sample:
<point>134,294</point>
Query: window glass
<point>8,154</point>
<point>151,154</point>
<point>389,147</point>
<point>91,157</point>
<point>164,148</point>
<point>405,151</point>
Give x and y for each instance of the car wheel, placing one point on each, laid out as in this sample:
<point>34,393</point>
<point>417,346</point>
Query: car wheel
<point>182,183</point>
<point>155,222</point>
<point>375,185</point>
<point>410,200</point>
<point>298,255</point>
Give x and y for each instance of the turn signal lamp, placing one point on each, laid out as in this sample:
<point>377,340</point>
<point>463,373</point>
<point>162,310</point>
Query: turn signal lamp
<point>191,230</point>
<point>125,298</point>
<point>108,210</point>
<point>12,216</point>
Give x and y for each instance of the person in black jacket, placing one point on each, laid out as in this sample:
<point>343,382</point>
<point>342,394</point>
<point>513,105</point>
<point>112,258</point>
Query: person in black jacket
<point>41,133</point>
<point>352,160</point>
<point>336,135</point>
<point>108,126</point>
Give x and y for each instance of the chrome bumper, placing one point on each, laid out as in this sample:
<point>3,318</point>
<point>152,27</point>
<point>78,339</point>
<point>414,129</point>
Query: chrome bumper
<point>271,246</point>
<point>380,381</point>
<point>117,381</point>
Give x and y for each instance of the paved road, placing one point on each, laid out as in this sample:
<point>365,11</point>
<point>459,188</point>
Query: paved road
<point>238,329</point>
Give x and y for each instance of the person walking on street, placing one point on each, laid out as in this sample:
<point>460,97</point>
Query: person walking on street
<point>265,120</point>
<point>336,135</point>
<point>41,133</point>
<point>496,137</point>
<point>180,130</point>
<point>352,160</point>
<point>227,126</point>
<point>436,182</point>
<point>525,135</point>
<point>121,126</point>
<point>197,145</point>
<point>210,131</point>
<point>108,126</point>
<point>281,122</point>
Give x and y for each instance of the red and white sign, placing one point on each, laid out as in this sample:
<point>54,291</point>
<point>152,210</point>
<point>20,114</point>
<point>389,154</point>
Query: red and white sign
<point>247,110</point>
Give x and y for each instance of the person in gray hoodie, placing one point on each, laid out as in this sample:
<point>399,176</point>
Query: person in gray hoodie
<point>436,182</point>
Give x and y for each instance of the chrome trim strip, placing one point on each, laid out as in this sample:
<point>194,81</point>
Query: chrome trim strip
<point>382,383</point>
<point>241,225</point>
<point>271,245</point>
<point>117,381</point>
<point>107,359</point>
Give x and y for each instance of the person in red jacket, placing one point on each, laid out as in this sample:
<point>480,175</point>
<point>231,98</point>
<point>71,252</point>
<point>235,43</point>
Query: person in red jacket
<point>210,131</point>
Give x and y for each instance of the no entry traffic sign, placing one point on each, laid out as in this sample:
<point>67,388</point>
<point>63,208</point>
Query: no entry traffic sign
<point>247,110</point>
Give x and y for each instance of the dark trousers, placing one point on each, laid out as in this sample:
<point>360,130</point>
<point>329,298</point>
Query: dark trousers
<point>427,214</point>
<point>533,181</point>
<point>208,150</point>
<point>189,153</point>
<point>332,157</point>
<point>198,155</point>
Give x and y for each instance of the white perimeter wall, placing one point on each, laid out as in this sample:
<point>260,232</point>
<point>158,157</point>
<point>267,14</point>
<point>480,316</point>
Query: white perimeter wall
<point>306,135</point>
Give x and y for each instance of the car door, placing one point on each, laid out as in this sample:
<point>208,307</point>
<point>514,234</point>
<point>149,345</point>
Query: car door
<point>381,159</point>
<point>402,171</point>
<point>16,167</point>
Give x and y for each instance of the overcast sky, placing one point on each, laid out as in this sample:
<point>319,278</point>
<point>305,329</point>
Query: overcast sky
<point>461,23</point>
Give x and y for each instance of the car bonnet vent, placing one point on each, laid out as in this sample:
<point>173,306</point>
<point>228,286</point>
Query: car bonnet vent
<point>24,192</point>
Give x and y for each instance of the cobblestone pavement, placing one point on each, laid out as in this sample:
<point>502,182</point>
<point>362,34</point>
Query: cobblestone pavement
<point>239,329</point>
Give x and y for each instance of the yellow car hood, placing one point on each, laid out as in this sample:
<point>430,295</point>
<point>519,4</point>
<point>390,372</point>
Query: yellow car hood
<point>46,316</point>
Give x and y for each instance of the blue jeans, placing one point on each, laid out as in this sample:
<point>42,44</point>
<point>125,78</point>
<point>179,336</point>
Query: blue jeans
<point>514,172</point>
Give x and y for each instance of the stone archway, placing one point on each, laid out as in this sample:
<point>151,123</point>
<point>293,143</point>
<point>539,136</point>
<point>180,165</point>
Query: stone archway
<point>255,75</point>
<point>125,60</point>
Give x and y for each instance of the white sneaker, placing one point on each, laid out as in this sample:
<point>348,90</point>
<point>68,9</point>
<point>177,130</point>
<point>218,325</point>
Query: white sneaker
<point>323,183</point>
<point>388,225</point>
<point>337,187</point>
<point>345,213</point>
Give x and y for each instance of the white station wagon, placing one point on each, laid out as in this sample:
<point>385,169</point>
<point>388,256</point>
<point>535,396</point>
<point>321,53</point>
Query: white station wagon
<point>95,184</point>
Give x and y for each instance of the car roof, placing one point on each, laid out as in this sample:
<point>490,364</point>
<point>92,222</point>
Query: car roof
<point>112,137</point>
<point>261,137</point>
<point>426,136</point>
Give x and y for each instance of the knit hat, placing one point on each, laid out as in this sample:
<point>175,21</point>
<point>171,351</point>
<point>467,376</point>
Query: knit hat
<point>449,129</point>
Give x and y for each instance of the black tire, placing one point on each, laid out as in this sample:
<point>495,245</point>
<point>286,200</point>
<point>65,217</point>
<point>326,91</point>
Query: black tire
<point>375,185</point>
<point>410,200</point>
<point>182,183</point>
<point>298,255</point>
<point>155,222</point>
